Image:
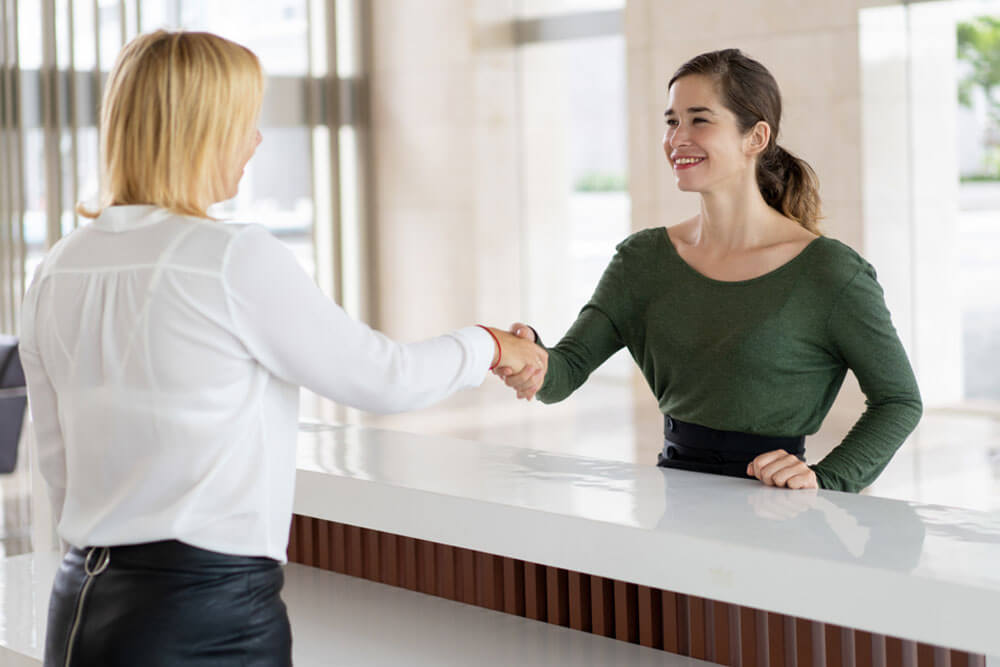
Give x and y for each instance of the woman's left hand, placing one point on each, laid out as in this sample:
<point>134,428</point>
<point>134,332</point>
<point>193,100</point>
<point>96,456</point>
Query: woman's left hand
<point>779,468</point>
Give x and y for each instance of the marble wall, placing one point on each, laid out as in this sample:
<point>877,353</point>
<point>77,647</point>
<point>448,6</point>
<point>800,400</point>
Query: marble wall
<point>455,200</point>
<point>443,112</point>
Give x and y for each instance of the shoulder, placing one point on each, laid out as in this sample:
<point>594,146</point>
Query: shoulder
<point>638,252</point>
<point>250,237</point>
<point>843,280</point>
<point>645,240</point>
<point>70,244</point>
<point>194,244</point>
<point>252,248</point>
<point>209,237</point>
<point>835,263</point>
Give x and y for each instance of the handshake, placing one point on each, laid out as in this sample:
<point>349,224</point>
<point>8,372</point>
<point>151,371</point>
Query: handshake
<point>522,362</point>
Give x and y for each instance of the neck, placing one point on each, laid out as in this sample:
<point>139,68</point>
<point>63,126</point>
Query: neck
<point>736,218</point>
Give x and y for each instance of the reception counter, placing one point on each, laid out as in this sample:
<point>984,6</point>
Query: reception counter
<point>680,566</point>
<point>709,567</point>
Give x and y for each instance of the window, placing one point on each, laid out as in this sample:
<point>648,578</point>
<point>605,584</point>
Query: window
<point>573,159</point>
<point>304,184</point>
<point>932,188</point>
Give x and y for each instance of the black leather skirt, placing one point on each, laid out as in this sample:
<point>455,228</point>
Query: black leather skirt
<point>699,448</point>
<point>166,603</point>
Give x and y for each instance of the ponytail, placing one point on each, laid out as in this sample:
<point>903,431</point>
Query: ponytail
<point>789,185</point>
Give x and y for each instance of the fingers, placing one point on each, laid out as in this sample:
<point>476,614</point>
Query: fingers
<point>758,463</point>
<point>779,468</point>
<point>529,379</point>
<point>522,330</point>
<point>526,383</point>
<point>524,363</point>
<point>805,480</point>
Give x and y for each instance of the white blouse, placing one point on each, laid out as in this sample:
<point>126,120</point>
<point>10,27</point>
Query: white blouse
<point>164,356</point>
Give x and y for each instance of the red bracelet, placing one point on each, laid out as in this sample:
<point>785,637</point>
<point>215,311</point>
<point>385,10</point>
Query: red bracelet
<point>497,341</point>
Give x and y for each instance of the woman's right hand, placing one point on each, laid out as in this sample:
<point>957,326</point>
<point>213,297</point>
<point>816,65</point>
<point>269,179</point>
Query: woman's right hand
<point>527,381</point>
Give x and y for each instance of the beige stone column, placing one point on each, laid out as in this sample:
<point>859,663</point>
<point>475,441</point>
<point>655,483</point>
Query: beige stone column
<point>445,179</point>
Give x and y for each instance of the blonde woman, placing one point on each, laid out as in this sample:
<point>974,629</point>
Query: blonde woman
<point>164,352</point>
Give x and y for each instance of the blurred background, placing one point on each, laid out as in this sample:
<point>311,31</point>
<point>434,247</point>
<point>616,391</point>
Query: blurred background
<point>438,163</point>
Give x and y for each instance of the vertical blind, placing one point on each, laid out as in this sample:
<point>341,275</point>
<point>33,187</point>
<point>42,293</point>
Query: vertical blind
<point>13,249</point>
<point>55,58</point>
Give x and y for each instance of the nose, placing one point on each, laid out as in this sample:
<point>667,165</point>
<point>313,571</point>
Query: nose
<point>258,139</point>
<point>677,136</point>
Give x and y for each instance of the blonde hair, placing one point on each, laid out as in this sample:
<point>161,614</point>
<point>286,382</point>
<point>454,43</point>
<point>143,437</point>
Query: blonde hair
<point>177,110</point>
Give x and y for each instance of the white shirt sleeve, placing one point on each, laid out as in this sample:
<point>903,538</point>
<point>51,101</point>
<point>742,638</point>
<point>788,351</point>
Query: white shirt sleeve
<point>44,406</point>
<point>305,338</point>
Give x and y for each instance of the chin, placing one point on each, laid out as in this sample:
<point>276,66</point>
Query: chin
<point>689,187</point>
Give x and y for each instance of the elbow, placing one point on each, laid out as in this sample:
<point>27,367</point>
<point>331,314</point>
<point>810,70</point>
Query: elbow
<point>907,412</point>
<point>918,408</point>
<point>915,406</point>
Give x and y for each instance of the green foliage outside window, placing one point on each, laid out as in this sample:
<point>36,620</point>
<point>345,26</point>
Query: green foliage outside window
<point>979,47</point>
<point>601,181</point>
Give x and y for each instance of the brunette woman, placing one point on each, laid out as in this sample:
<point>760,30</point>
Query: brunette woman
<point>743,319</point>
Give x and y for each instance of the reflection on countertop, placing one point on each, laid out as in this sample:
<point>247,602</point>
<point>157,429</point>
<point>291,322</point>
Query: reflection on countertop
<point>941,543</point>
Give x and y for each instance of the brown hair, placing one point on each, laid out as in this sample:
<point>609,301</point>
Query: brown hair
<point>177,108</point>
<point>787,183</point>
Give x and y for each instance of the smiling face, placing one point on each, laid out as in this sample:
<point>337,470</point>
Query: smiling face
<point>703,141</point>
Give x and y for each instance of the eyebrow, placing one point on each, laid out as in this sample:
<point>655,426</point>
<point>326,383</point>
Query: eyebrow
<point>671,112</point>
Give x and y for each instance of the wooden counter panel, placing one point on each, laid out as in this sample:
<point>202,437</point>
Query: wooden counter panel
<point>683,624</point>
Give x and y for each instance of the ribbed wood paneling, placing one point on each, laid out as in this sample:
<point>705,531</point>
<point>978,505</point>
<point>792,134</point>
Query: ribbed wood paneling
<point>685,624</point>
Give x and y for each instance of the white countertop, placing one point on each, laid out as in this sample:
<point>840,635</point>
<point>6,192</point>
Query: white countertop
<point>357,621</point>
<point>922,572</point>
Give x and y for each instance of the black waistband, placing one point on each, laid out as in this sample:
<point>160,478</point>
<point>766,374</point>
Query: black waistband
<point>173,555</point>
<point>731,443</point>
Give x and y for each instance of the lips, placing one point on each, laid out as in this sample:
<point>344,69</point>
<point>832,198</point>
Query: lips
<point>687,161</point>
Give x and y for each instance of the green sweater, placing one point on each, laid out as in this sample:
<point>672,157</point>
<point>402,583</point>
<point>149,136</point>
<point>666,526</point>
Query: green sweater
<point>764,356</point>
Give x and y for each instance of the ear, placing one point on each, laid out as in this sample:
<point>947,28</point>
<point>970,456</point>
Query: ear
<point>757,139</point>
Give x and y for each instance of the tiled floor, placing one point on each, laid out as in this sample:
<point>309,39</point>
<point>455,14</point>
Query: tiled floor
<point>953,458</point>
<point>15,509</point>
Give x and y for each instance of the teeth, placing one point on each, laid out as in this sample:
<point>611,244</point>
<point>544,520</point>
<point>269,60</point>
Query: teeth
<point>687,160</point>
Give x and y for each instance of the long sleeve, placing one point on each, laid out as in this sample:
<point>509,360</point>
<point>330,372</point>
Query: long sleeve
<point>864,337</point>
<point>305,338</point>
<point>44,408</point>
<point>589,343</point>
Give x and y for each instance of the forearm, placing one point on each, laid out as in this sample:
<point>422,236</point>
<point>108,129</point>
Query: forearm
<point>861,329</point>
<point>301,336</point>
<point>857,461</point>
<point>50,448</point>
<point>588,344</point>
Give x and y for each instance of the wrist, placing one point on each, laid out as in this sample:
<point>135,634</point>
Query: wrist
<point>497,349</point>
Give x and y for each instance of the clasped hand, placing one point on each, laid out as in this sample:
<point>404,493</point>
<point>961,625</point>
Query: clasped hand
<point>779,468</point>
<point>527,378</point>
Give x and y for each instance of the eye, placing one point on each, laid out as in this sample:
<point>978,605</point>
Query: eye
<point>700,120</point>
<point>671,122</point>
